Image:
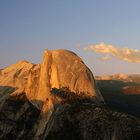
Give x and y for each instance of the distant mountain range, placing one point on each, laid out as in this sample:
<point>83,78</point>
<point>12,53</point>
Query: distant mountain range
<point>124,77</point>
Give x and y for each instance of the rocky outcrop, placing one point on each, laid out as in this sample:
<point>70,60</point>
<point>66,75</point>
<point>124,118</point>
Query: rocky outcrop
<point>15,75</point>
<point>13,79</point>
<point>61,68</point>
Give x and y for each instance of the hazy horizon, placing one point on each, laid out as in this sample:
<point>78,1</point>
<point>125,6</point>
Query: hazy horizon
<point>105,34</point>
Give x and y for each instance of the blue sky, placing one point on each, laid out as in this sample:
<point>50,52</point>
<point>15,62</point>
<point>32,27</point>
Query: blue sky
<point>27,27</point>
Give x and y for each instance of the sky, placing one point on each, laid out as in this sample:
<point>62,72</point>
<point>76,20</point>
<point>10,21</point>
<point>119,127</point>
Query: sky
<point>87,27</point>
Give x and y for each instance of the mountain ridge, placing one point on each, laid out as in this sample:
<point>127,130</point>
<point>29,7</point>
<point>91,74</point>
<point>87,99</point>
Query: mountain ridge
<point>39,100</point>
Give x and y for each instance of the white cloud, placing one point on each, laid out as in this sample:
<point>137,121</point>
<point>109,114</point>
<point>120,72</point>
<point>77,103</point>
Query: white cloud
<point>106,58</point>
<point>126,54</point>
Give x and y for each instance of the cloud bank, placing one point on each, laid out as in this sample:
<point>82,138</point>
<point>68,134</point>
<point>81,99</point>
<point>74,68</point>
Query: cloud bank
<point>126,54</point>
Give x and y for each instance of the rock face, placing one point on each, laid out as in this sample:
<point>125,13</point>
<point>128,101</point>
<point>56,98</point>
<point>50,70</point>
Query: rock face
<point>58,99</point>
<point>61,68</point>
<point>15,75</point>
<point>13,79</point>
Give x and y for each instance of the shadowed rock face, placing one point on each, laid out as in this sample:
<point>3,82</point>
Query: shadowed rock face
<point>83,121</point>
<point>76,118</point>
<point>58,99</point>
<point>18,118</point>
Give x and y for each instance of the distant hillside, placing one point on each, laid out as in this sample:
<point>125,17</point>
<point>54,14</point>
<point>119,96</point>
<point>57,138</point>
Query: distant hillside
<point>121,92</point>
